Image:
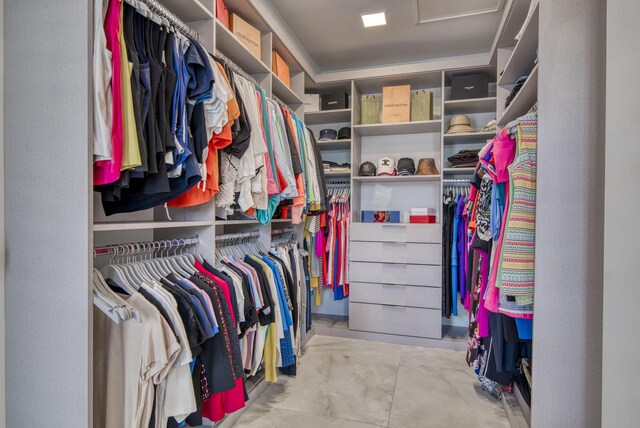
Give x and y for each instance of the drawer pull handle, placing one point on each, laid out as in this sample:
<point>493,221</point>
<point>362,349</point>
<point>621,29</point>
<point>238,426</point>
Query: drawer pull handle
<point>394,287</point>
<point>394,308</point>
<point>404,244</point>
<point>396,225</point>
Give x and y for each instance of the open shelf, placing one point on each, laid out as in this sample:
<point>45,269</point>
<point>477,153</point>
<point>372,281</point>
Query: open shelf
<point>523,101</point>
<point>281,220</point>
<point>327,116</point>
<point>468,137</point>
<point>397,178</point>
<point>334,145</point>
<point>235,222</point>
<point>283,92</point>
<point>524,54</point>
<point>330,174</point>
<point>418,127</point>
<point>188,10</point>
<point>455,171</point>
<point>232,47</point>
<point>148,225</point>
<point>470,106</point>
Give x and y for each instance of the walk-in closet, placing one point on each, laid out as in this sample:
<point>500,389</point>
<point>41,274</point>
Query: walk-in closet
<point>303,213</point>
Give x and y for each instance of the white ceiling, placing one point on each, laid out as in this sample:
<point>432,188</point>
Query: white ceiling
<point>332,32</point>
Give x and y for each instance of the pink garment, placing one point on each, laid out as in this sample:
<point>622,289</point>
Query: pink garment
<point>108,171</point>
<point>503,150</point>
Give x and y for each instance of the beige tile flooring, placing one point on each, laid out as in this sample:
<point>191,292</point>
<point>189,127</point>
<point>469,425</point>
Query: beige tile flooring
<point>349,383</point>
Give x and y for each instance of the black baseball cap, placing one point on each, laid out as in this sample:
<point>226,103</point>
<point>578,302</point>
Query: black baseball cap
<point>344,133</point>
<point>367,169</point>
<point>406,166</point>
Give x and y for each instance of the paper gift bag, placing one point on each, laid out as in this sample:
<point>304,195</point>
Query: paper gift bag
<point>422,105</point>
<point>370,109</point>
<point>396,103</point>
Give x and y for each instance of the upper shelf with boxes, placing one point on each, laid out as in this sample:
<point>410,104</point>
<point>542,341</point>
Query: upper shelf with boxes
<point>469,117</point>
<point>402,105</point>
<point>247,39</point>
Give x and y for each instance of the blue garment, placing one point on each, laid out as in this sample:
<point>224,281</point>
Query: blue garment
<point>525,328</point>
<point>200,73</point>
<point>454,264</point>
<point>286,345</point>
<point>201,312</point>
<point>497,209</point>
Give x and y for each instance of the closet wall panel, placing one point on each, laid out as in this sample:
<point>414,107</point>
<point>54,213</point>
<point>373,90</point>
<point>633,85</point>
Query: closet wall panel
<point>48,215</point>
<point>567,351</point>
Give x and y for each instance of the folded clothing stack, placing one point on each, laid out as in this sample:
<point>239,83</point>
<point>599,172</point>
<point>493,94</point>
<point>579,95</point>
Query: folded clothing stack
<point>336,167</point>
<point>464,158</point>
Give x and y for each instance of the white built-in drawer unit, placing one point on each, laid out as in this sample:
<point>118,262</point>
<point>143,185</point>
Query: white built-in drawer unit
<point>394,294</point>
<point>400,320</point>
<point>421,233</point>
<point>390,273</point>
<point>396,252</point>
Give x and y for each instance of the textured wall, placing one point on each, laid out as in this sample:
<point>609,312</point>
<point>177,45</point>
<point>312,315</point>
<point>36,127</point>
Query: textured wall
<point>620,392</point>
<point>47,119</point>
<point>567,357</point>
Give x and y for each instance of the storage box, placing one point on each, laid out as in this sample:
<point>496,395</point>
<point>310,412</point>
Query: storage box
<point>469,86</point>
<point>380,216</point>
<point>422,219</point>
<point>280,68</point>
<point>222,14</point>
<point>311,102</point>
<point>423,211</point>
<point>421,105</point>
<point>396,103</point>
<point>247,34</point>
<point>335,101</point>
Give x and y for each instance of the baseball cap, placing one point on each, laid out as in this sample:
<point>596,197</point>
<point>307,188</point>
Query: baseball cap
<point>386,166</point>
<point>406,166</point>
<point>344,133</point>
<point>328,135</point>
<point>367,169</point>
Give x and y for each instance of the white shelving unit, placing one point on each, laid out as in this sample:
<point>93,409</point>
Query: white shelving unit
<point>473,105</point>
<point>149,225</point>
<point>398,179</point>
<point>378,129</point>
<point>523,101</point>
<point>468,137</point>
<point>524,54</point>
<point>232,47</point>
<point>334,145</point>
<point>458,171</point>
<point>327,116</point>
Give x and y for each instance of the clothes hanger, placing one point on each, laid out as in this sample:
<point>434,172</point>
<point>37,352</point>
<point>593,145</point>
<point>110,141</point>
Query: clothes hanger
<point>117,275</point>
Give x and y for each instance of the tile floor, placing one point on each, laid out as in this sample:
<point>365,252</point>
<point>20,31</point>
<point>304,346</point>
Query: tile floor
<point>349,383</point>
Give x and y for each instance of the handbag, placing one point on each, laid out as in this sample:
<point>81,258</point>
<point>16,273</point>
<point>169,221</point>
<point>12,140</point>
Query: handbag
<point>422,105</point>
<point>370,109</point>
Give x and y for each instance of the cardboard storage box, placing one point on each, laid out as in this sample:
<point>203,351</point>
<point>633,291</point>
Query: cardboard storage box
<point>280,68</point>
<point>369,109</point>
<point>335,101</point>
<point>469,86</point>
<point>380,216</point>
<point>396,103</point>
<point>248,34</point>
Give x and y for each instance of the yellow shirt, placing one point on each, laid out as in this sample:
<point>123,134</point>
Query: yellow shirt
<point>130,148</point>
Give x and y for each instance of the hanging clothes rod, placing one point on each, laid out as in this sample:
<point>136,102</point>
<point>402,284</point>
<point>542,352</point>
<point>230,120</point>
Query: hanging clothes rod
<point>143,247</point>
<point>282,104</point>
<point>283,231</point>
<point>235,67</point>
<point>456,181</point>
<point>159,9</point>
<point>229,239</point>
<point>339,184</point>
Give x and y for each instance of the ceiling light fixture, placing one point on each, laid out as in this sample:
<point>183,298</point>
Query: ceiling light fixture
<point>374,19</point>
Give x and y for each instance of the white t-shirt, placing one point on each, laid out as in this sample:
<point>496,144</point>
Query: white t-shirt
<point>139,356</point>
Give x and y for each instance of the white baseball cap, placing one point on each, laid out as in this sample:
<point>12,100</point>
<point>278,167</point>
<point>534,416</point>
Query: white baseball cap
<point>386,166</point>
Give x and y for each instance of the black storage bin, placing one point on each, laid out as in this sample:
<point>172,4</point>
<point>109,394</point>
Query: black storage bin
<point>335,101</point>
<point>469,86</point>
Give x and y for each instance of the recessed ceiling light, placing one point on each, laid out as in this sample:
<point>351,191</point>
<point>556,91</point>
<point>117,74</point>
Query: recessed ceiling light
<point>374,19</point>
